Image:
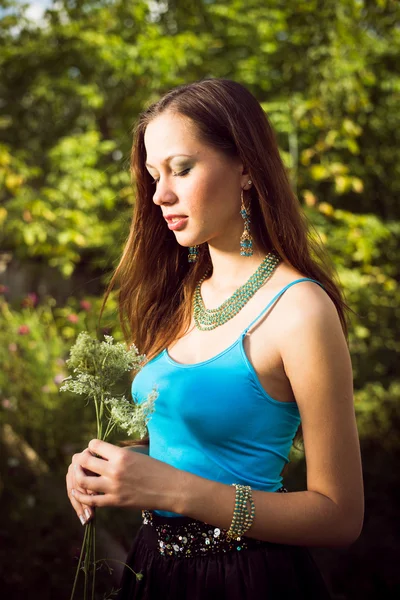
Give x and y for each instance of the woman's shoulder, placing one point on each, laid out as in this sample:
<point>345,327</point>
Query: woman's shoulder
<point>303,300</point>
<point>305,305</point>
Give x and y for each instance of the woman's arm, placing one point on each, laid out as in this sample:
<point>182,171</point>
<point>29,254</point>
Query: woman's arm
<point>330,513</point>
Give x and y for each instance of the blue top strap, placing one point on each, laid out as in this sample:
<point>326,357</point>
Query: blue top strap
<point>278,296</point>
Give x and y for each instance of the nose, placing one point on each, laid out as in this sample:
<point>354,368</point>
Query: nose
<point>163,194</point>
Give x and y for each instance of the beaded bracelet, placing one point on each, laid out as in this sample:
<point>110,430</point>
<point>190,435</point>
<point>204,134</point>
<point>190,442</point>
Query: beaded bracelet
<point>242,519</point>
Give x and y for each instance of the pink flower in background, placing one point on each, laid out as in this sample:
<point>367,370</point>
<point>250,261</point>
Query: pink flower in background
<point>4,289</point>
<point>30,300</point>
<point>23,329</point>
<point>46,389</point>
<point>73,318</point>
<point>86,305</point>
<point>12,347</point>
<point>59,378</point>
<point>60,362</point>
<point>9,404</point>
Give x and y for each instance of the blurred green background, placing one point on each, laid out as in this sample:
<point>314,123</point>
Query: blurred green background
<point>74,76</point>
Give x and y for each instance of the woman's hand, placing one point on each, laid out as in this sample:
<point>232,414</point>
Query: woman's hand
<point>82,510</point>
<point>120,477</point>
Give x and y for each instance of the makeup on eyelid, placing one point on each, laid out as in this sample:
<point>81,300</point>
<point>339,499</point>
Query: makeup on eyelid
<point>170,158</point>
<point>180,171</point>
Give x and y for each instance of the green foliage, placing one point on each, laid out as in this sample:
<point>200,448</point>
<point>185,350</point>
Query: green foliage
<point>33,354</point>
<point>378,414</point>
<point>73,211</point>
<point>364,250</point>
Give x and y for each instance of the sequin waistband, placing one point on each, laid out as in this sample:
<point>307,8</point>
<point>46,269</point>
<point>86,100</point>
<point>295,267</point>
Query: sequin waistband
<point>183,537</point>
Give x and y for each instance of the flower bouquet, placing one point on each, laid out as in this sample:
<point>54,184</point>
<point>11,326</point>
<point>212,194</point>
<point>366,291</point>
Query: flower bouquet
<point>97,367</point>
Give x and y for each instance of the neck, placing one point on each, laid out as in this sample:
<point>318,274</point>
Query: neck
<point>230,269</point>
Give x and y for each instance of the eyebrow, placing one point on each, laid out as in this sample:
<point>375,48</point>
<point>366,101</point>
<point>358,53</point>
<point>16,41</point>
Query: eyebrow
<point>168,158</point>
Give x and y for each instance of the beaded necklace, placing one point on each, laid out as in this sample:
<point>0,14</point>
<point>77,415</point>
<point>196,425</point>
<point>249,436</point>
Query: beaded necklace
<point>206,319</point>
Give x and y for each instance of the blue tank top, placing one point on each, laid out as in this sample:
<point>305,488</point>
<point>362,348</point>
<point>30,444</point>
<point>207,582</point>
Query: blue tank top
<point>214,419</point>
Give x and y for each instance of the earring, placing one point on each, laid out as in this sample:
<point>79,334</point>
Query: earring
<point>193,254</point>
<point>246,241</point>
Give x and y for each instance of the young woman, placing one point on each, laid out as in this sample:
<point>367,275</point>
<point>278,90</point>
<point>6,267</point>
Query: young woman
<point>244,329</point>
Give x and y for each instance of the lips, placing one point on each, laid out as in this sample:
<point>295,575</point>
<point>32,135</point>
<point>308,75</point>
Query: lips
<point>170,218</point>
<point>176,222</point>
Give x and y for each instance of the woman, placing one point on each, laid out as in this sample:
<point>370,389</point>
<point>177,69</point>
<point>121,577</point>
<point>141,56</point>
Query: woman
<point>217,238</point>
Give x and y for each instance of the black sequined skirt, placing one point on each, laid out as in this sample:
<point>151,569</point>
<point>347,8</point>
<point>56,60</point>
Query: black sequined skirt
<point>179,558</point>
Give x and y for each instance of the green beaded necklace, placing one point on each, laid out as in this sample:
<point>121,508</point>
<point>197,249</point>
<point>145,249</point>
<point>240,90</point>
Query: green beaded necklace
<point>206,319</point>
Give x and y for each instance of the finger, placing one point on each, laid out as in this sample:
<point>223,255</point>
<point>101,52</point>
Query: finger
<point>93,465</point>
<point>87,483</point>
<point>77,461</point>
<point>91,501</point>
<point>82,459</point>
<point>82,484</point>
<point>79,509</point>
<point>104,449</point>
<point>83,511</point>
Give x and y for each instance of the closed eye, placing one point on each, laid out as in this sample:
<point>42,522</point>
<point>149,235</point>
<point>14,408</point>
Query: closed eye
<point>181,174</point>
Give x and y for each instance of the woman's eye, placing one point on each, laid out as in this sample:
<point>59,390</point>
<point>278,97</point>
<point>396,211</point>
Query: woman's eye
<point>182,173</point>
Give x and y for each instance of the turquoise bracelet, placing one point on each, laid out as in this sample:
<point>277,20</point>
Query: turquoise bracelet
<point>242,518</point>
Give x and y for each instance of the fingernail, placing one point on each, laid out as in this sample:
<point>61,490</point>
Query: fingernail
<point>82,518</point>
<point>87,513</point>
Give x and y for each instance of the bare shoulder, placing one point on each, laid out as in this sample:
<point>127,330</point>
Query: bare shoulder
<point>309,325</point>
<point>306,305</point>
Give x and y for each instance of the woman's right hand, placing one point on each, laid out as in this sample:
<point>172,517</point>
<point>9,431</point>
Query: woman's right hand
<point>84,512</point>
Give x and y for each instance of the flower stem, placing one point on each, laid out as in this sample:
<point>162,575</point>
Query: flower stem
<point>87,558</point>
<point>97,416</point>
<point>109,428</point>
<point>94,558</point>
<point>101,409</point>
<point>138,576</point>
<point>79,564</point>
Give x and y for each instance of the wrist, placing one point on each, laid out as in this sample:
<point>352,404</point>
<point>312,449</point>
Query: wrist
<point>181,499</point>
<point>171,496</point>
<point>203,499</point>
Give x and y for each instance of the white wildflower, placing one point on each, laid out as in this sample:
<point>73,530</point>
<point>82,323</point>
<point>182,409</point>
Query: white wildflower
<point>97,367</point>
<point>131,417</point>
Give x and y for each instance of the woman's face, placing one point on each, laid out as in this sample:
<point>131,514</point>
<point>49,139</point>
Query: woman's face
<point>195,182</point>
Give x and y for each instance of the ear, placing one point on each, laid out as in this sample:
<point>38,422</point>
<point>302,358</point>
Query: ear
<point>245,177</point>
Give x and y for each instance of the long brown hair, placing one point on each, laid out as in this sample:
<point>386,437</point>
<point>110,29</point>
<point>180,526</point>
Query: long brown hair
<point>156,282</point>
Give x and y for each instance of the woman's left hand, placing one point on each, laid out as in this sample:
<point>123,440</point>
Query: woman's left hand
<point>124,478</point>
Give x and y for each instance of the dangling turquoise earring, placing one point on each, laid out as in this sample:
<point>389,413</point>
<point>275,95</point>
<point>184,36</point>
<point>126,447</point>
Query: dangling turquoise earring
<point>246,241</point>
<point>193,254</point>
